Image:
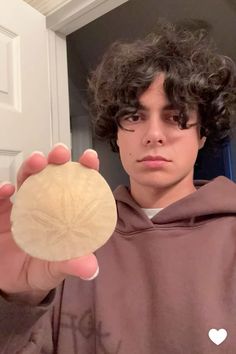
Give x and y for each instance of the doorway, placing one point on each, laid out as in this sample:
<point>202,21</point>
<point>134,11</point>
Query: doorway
<point>127,22</point>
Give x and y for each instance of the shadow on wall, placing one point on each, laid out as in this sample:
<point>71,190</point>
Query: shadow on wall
<point>110,165</point>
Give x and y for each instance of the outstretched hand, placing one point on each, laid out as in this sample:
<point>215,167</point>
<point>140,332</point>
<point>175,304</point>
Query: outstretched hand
<point>19,272</point>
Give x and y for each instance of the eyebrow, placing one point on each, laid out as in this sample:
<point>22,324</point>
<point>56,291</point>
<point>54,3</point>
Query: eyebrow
<point>167,107</point>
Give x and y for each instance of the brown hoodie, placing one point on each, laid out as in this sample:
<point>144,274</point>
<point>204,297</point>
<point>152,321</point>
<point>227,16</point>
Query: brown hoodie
<point>163,284</point>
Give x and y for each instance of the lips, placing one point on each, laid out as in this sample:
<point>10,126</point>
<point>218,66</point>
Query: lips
<point>153,158</point>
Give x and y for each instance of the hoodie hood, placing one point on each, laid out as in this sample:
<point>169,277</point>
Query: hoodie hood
<point>212,199</point>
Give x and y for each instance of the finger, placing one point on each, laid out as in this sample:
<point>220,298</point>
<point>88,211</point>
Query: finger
<point>59,154</point>
<point>5,223</point>
<point>84,267</point>
<point>6,190</point>
<point>33,164</point>
<point>90,159</point>
<point>37,161</point>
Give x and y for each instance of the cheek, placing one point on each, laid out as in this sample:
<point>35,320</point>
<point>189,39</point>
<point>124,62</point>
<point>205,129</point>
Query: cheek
<point>186,150</point>
<point>126,145</point>
<point>126,152</point>
<point>190,150</point>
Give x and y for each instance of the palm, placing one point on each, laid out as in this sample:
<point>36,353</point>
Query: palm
<point>17,269</point>
<point>12,258</point>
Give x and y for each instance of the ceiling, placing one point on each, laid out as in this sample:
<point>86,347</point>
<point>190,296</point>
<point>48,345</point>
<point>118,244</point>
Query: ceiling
<point>46,6</point>
<point>136,18</point>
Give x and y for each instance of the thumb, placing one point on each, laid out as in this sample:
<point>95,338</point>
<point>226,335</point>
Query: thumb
<point>85,267</point>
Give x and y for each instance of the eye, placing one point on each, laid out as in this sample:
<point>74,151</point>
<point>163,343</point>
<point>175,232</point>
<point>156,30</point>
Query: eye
<point>131,119</point>
<point>134,118</point>
<point>173,118</point>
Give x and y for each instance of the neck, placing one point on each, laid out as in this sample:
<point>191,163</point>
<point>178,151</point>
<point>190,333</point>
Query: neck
<point>160,196</point>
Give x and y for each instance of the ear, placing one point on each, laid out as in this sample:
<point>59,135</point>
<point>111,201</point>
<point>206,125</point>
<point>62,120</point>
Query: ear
<point>202,142</point>
<point>117,142</point>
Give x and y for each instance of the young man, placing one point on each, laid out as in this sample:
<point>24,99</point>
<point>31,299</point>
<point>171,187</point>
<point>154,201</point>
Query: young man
<point>168,273</point>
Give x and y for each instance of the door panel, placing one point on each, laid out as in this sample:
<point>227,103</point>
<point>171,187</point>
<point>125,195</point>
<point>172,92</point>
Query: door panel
<point>25,117</point>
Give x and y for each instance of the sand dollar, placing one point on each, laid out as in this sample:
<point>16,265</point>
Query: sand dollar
<point>63,212</point>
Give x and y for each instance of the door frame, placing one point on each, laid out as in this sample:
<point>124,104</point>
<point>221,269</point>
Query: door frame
<point>65,20</point>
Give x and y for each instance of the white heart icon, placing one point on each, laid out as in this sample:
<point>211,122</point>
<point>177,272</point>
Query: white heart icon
<point>217,336</point>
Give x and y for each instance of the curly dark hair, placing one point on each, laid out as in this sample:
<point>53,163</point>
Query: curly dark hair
<point>195,76</point>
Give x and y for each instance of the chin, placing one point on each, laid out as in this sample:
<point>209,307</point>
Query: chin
<point>154,182</point>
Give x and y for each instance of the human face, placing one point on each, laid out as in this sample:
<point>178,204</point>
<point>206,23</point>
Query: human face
<point>154,134</point>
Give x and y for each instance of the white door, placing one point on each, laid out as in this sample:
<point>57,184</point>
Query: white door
<point>25,119</point>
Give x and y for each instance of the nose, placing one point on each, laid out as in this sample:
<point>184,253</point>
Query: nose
<point>153,133</point>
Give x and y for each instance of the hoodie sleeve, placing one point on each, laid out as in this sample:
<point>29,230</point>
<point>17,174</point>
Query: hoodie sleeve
<point>26,328</point>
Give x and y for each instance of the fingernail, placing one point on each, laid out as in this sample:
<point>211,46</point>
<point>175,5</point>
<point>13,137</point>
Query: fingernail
<point>61,144</point>
<point>93,277</point>
<point>4,183</point>
<point>91,150</point>
<point>37,153</point>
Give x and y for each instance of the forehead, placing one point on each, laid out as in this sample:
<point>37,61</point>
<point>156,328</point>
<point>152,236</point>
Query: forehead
<point>155,93</point>
<point>155,98</point>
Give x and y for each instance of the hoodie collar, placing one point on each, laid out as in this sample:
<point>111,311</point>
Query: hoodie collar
<point>211,199</point>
